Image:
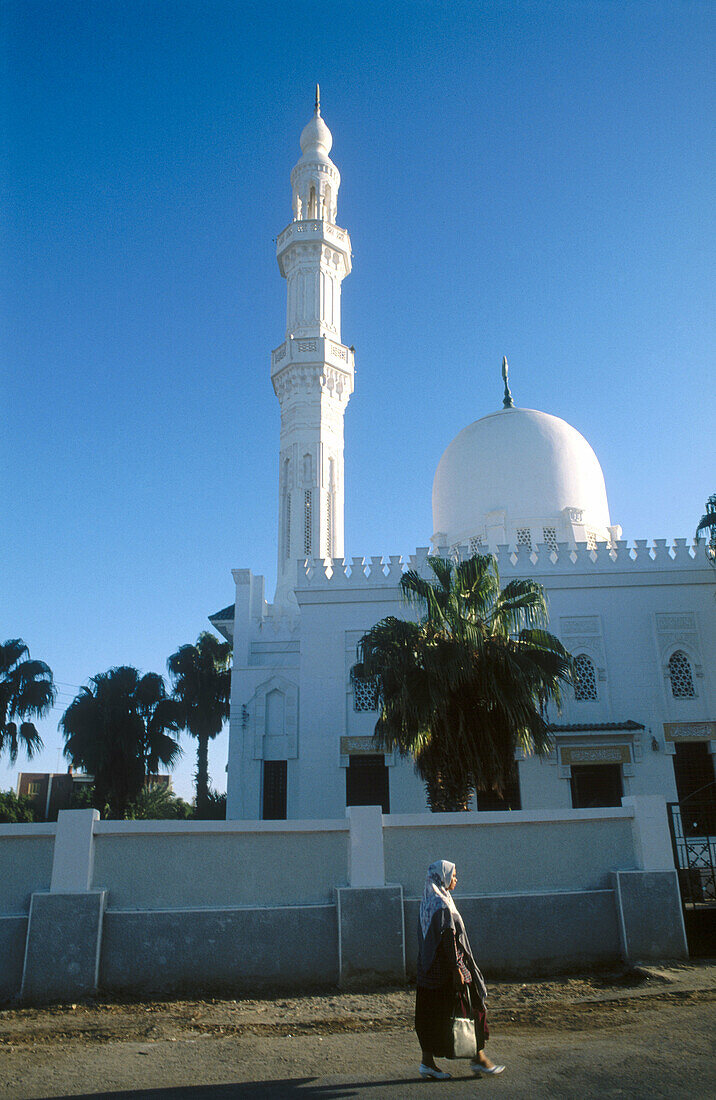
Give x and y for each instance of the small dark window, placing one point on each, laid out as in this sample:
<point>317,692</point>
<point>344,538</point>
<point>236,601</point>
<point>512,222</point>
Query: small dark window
<point>596,785</point>
<point>367,782</point>
<point>274,800</point>
<point>509,799</point>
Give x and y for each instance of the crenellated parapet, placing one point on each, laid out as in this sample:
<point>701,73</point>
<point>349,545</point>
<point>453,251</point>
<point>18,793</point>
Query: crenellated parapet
<point>622,557</point>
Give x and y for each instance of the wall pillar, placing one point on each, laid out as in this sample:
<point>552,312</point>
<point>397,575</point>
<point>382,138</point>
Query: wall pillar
<point>64,928</point>
<point>371,932</point>
<point>651,919</point>
<point>366,861</point>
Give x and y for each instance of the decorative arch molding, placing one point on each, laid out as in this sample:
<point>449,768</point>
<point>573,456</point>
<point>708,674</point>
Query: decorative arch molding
<point>583,634</point>
<point>674,632</point>
<point>261,709</point>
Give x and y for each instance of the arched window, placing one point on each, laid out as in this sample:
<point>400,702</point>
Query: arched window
<point>286,509</point>
<point>681,676</point>
<point>585,680</point>
<point>307,523</point>
<point>329,508</point>
<point>312,203</point>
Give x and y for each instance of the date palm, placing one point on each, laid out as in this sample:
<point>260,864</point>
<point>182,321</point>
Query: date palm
<point>469,683</point>
<point>27,691</point>
<point>201,679</point>
<point>117,730</point>
<point>707,526</point>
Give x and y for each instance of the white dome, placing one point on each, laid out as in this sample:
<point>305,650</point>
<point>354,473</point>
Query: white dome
<point>316,138</point>
<point>526,464</point>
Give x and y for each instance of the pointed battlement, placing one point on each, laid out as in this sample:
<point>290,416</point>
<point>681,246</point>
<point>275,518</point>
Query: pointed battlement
<point>619,557</point>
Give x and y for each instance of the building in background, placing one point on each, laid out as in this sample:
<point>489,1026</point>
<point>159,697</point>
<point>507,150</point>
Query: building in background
<point>54,791</point>
<point>51,791</point>
<point>519,483</point>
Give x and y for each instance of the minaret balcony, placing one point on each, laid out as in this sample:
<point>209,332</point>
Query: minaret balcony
<point>314,230</point>
<point>312,349</point>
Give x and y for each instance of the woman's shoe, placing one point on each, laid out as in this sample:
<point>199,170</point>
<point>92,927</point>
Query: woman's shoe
<point>492,1071</point>
<point>437,1074</point>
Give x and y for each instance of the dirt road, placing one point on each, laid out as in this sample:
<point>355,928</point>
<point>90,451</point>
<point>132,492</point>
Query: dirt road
<point>630,1035</point>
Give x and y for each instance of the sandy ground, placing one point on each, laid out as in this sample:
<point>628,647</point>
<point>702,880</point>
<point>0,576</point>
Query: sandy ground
<point>594,1034</point>
<point>558,999</point>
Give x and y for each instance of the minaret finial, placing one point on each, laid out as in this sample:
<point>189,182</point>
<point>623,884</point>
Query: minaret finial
<point>318,99</point>
<point>507,401</point>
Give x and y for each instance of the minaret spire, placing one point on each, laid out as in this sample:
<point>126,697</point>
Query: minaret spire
<point>318,99</point>
<point>507,401</point>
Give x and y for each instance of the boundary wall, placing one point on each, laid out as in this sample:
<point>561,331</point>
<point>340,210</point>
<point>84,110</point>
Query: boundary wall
<point>159,906</point>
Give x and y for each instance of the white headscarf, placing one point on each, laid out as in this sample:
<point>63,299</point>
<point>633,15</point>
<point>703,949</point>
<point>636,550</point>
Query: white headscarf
<point>436,894</point>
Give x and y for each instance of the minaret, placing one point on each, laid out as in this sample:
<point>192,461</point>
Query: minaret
<point>312,371</point>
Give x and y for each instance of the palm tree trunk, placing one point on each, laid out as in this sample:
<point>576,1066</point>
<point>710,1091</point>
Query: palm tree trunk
<point>448,787</point>
<point>445,797</point>
<point>202,775</point>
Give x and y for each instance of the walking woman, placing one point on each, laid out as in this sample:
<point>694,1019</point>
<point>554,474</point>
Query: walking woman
<point>446,972</point>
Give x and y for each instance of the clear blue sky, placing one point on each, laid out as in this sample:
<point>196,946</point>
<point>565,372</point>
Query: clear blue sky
<point>529,179</point>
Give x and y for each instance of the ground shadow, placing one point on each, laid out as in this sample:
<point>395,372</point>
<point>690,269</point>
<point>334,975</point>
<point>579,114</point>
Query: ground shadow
<point>300,1088</point>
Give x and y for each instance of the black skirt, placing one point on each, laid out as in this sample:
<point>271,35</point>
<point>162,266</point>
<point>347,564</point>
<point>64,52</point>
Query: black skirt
<point>434,1009</point>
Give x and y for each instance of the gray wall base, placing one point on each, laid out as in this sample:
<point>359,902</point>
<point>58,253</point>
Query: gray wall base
<point>532,934</point>
<point>370,935</point>
<point>63,941</point>
<point>236,949</point>
<point>651,918</point>
<point>13,936</point>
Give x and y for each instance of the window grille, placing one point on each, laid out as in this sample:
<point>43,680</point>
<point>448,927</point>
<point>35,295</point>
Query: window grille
<point>585,681</point>
<point>307,523</point>
<point>287,525</point>
<point>682,680</point>
<point>549,538</point>
<point>365,693</point>
<point>591,540</point>
<point>477,544</point>
<point>524,537</point>
<point>329,524</point>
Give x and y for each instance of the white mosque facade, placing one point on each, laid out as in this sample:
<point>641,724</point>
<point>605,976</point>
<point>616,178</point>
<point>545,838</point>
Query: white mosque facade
<point>522,484</point>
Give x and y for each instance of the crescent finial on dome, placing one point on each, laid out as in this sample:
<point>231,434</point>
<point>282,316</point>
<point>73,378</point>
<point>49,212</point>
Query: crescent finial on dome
<point>318,99</point>
<point>507,401</point>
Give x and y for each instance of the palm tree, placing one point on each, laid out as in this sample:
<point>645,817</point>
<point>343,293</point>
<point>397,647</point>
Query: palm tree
<point>469,683</point>
<point>707,523</point>
<point>116,729</point>
<point>201,679</point>
<point>27,690</point>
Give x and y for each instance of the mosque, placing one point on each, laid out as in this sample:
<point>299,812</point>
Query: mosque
<point>522,484</point>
